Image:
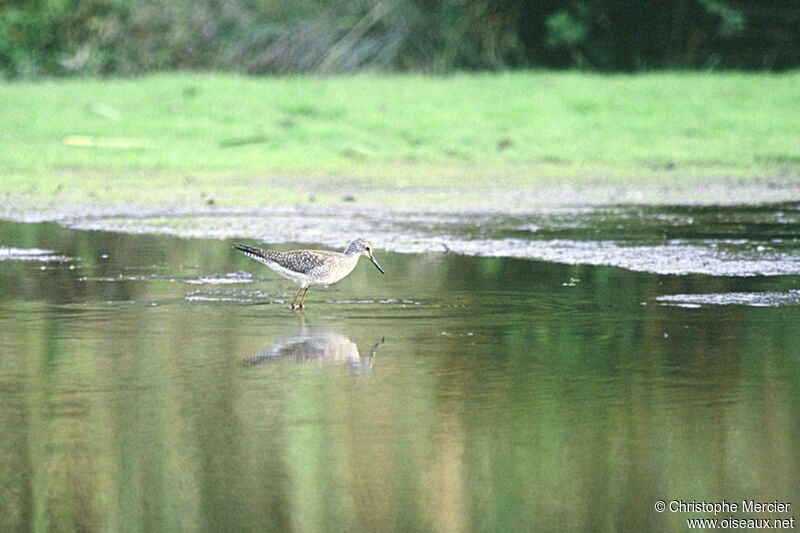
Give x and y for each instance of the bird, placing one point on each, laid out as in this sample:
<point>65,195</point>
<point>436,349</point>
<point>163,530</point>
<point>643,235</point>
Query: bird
<point>311,267</point>
<point>311,345</point>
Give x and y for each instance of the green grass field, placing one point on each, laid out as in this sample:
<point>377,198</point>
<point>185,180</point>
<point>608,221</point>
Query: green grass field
<point>170,138</point>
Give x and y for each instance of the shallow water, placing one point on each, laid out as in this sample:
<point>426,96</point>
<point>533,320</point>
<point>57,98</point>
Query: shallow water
<point>161,383</point>
<point>737,240</point>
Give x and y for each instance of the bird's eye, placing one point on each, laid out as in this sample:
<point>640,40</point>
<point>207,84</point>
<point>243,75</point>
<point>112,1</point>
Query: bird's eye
<point>368,248</point>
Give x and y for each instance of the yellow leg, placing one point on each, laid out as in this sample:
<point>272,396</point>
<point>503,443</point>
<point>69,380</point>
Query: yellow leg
<point>303,299</point>
<point>295,298</point>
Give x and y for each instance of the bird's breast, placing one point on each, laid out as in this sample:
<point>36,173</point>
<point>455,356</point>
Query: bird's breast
<point>329,273</point>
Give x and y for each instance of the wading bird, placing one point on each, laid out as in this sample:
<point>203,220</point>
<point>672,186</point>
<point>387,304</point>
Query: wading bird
<point>311,267</point>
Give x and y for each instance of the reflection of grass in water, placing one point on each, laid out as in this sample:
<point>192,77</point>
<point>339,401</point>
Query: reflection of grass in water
<point>246,140</point>
<point>541,401</point>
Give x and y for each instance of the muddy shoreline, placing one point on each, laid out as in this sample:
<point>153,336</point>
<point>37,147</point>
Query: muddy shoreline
<point>717,230</point>
<point>65,208</point>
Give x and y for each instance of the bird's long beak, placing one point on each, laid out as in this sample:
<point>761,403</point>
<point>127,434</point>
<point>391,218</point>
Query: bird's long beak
<point>376,264</point>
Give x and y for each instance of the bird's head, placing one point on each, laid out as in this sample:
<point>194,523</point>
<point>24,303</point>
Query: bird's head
<point>363,247</point>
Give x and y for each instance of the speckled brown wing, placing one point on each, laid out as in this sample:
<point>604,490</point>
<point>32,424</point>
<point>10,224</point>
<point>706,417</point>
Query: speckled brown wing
<point>300,261</point>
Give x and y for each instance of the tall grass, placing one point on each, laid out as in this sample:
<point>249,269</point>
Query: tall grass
<point>124,37</point>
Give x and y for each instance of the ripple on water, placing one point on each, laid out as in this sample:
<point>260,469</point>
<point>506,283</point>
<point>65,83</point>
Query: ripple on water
<point>227,295</point>
<point>750,299</point>
<point>228,279</point>
<point>31,254</point>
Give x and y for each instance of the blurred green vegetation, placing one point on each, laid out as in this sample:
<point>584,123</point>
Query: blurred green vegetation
<point>247,141</point>
<point>120,37</point>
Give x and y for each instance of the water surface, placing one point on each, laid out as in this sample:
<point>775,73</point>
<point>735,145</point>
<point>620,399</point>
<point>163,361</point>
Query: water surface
<point>154,382</point>
<point>732,240</point>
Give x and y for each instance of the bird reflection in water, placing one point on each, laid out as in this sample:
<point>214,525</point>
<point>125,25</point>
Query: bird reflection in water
<point>309,345</point>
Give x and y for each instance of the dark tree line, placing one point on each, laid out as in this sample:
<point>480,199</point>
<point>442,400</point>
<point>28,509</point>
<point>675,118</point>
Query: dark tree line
<point>124,37</point>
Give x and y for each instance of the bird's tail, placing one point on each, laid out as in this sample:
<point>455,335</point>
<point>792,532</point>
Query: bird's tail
<point>251,252</point>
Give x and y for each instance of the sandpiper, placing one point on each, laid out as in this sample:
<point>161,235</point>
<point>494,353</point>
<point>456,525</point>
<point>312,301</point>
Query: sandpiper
<point>311,267</point>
